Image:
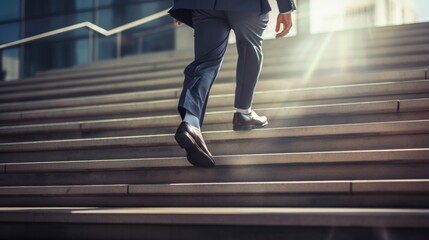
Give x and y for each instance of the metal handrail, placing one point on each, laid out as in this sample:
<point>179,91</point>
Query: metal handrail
<point>91,26</point>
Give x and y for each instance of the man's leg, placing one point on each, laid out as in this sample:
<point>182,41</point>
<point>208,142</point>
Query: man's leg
<point>211,39</point>
<point>248,28</point>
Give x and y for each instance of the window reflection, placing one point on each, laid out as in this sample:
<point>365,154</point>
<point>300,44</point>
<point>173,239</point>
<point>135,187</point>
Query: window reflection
<point>149,38</point>
<point>9,10</point>
<point>41,25</point>
<point>55,54</point>
<point>105,48</point>
<point>350,14</point>
<point>137,40</point>
<point>43,8</point>
<point>9,32</point>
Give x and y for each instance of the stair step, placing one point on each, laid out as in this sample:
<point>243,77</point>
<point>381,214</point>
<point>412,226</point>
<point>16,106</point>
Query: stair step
<point>370,165</point>
<point>339,52</point>
<point>343,187</point>
<point>104,88</point>
<point>270,54</point>
<point>329,217</point>
<point>134,147</point>
<point>379,128</point>
<point>280,83</point>
<point>302,166</point>
<point>408,186</point>
<point>392,106</point>
<point>366,193</point>
<point>273,67</point>
<point>263,97</point>
<point>213,223</point>
<point>371,156</point>
<point>394,110</point>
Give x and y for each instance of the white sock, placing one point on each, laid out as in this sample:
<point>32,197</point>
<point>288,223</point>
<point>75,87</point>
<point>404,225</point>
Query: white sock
<point>244,111</point>
<point>192,119</point>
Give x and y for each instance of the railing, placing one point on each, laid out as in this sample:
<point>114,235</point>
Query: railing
<point>92,27</point>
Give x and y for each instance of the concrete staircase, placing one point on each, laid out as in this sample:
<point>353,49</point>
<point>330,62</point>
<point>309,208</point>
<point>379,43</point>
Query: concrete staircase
<point>89,153</point>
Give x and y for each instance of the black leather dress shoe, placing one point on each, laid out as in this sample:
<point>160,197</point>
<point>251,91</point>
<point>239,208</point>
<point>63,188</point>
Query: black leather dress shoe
<point>191,139</point>
<point>245,122</point>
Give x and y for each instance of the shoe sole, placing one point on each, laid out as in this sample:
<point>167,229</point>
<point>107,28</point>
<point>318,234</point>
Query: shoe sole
<point>196,156</point>
<point>248,127</point>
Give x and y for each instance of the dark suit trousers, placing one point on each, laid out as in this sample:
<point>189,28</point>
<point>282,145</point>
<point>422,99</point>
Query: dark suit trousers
<point>212,28</point>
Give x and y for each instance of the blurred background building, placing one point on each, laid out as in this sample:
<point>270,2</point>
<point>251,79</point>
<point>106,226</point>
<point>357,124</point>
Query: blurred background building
<point>24,18</point>
<point>364,13</point>
<point>369,13</point>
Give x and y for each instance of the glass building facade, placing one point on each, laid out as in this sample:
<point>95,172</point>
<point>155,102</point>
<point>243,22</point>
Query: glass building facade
<point>25,18</point>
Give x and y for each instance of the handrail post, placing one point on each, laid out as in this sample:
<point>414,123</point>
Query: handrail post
<point>2,73</point>
<point>90,46</point>
<point>118,44</point>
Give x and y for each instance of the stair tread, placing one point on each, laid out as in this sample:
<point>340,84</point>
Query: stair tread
<point>390,155</point>
<point>390,186</point>
<point>414,126</point>
<point>218,117</point>
<point>225,116</point>
<point>180,62</point>
<point>136,86</point>
<point>269,96</point>
<point>170,75</point>
<point>340,217</point>
<point>274,83</point>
